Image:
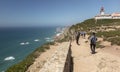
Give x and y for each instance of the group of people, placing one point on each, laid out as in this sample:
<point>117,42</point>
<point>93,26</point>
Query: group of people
<point>92,39</point>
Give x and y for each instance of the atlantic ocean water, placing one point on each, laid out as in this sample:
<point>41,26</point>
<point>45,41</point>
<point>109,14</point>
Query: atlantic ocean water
<point>17,43</point>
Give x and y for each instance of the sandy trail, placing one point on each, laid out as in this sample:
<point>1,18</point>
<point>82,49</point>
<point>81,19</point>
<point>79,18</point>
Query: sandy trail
<point>84,61</point>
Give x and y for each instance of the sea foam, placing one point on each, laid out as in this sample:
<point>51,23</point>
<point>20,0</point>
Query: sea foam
<point>9,58</point>
<point>27,43</point>
<point>24,43</point>
<point>47,38</point>
<point>36,40</point>
<point>58,34</point>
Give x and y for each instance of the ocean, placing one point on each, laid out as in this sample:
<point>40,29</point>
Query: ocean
<point>17,43</point>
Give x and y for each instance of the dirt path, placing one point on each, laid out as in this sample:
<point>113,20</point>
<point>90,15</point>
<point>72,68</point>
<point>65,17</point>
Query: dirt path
<point>84,61</point>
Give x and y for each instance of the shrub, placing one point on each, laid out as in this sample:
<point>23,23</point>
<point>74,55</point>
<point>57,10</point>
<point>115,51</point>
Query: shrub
<point>115,40</point>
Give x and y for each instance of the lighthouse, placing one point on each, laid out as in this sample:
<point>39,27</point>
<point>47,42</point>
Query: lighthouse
<point>102,15</point>
<point>102,11</point>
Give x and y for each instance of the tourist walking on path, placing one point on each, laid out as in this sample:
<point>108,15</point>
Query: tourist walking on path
<point>93,40</point>
<point>84,34</point>
<point>77,37</point>
<point>81,33</point>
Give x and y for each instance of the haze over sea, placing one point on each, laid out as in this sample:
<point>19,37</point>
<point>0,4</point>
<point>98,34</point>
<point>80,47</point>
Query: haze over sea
<point>17,43</point>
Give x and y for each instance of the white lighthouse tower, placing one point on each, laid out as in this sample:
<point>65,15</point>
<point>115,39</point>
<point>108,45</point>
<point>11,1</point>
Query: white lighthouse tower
<point>102,11</point>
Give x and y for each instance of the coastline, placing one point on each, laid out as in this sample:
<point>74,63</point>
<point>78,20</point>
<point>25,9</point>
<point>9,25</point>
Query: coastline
<point>42,53</point>
<point>43,57</point>
<point>18,43</point>
<point>32,57</point>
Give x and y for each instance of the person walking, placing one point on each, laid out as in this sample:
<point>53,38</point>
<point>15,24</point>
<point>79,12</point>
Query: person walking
<point>93,40</point>
<point>81,33</point>
<point>84,34</point>
<point>77,37</point>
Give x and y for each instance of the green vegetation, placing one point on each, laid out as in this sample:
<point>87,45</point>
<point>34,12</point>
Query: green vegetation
<point>24,64</point>
<point>115,40</point>
<point>99,25</point>
<point>93,24</point>
<point>66,38</point>
<point>98,45</point>
<point>112,36</point>
<point>108,34</point>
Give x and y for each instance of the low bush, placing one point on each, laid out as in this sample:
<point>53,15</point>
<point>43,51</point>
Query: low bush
<point>98,45</point>
<point>115,40</point>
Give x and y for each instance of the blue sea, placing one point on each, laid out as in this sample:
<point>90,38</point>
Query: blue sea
<point>17,43</point>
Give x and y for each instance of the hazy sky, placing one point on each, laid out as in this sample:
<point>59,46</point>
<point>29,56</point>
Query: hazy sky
<point>51,12</point>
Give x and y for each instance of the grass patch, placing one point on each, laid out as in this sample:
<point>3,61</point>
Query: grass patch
<point>66,38</point>
<point>115,41</point>
<point>98,45</point>
<point>111,36</point>
<point>89,24</point>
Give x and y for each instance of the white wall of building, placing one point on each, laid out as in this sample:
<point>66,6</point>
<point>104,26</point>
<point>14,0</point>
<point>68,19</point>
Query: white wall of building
<point>116,17</point>
<point>103,17</point>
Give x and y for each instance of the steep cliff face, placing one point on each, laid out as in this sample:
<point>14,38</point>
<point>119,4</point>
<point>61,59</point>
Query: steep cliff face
<point>64,36</point>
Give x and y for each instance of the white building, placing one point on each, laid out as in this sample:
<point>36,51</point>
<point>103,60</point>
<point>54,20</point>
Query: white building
<point>115,15</point>
<point>102,15</point>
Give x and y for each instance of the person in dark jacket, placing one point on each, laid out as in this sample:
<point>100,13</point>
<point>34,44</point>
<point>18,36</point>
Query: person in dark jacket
<point>84,34</point>
<point>77,37</point>
<point>93,40</point>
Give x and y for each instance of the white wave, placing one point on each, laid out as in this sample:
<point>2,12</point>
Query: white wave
<point>22,43</point>
<point>47,38</point>
<point>58,34</point>
<point>36,40</point>
<point>27,43</point>
<point>9,58</point>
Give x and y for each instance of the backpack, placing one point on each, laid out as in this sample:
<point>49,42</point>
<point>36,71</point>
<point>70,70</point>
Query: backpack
<point>93,40</point>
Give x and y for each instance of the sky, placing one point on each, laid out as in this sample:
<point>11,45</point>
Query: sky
<point>17,13</point>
